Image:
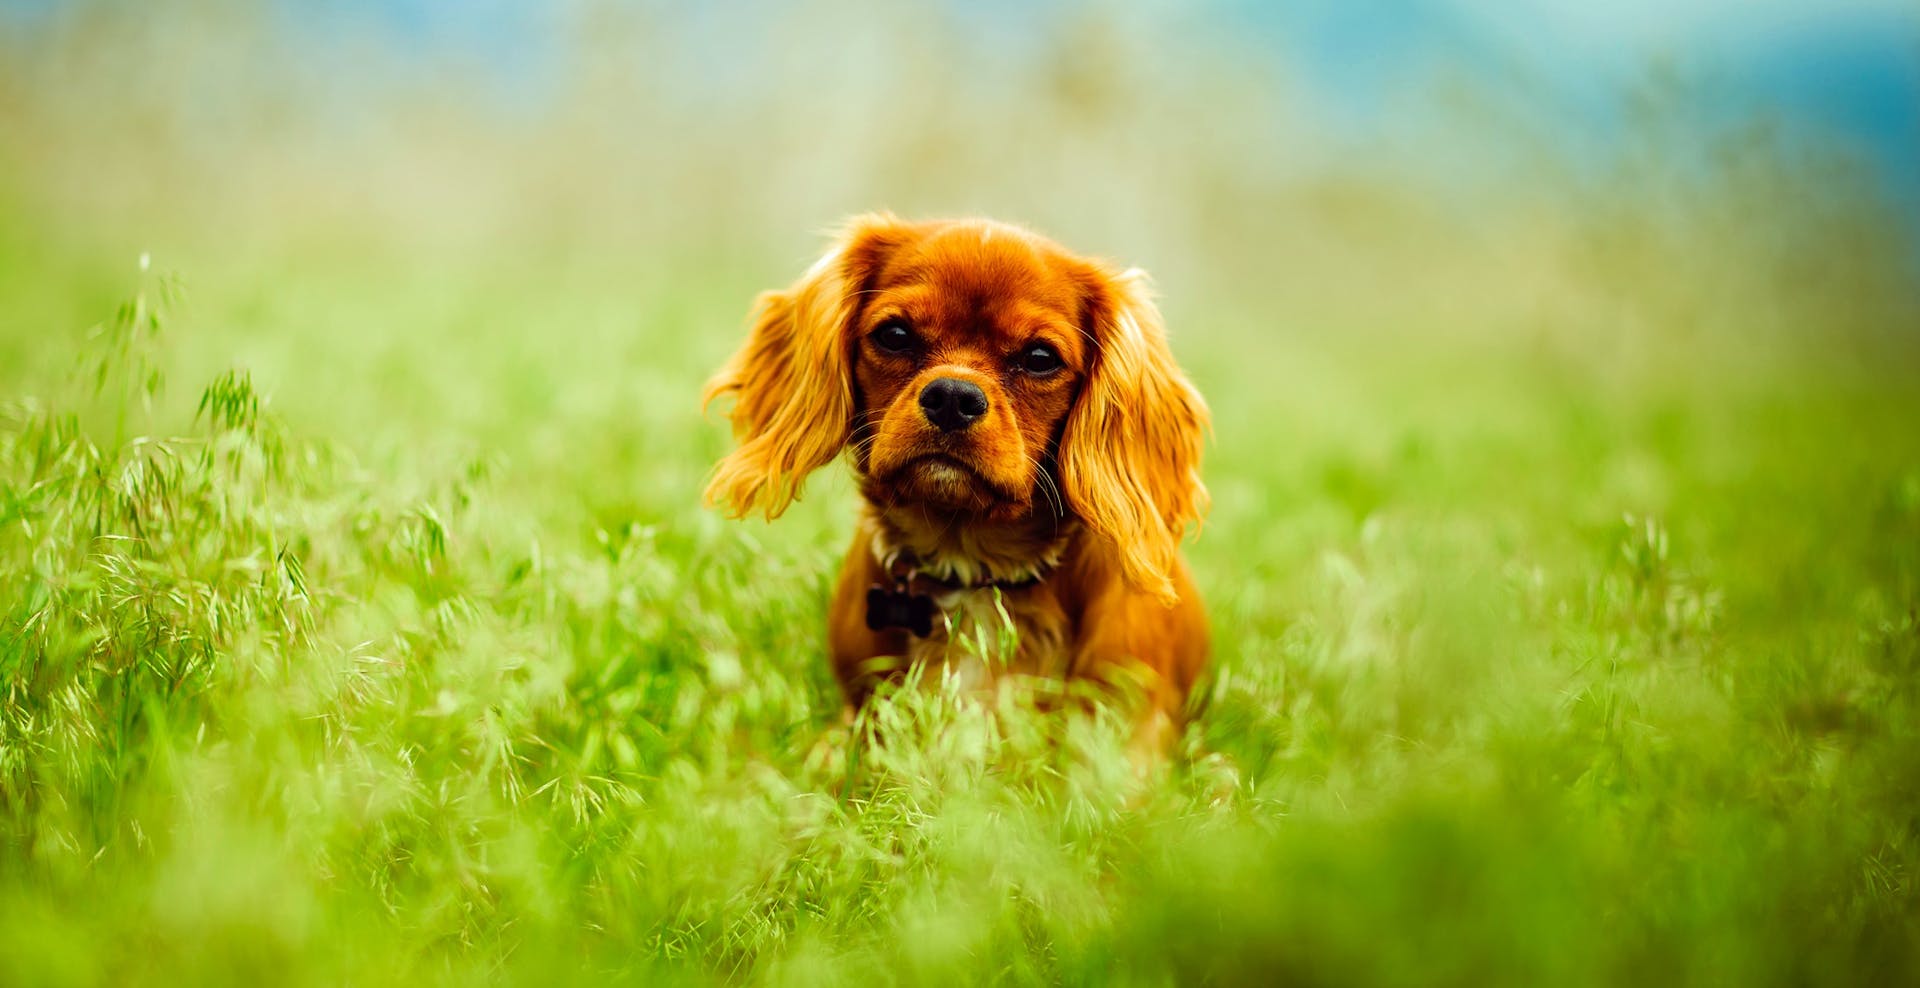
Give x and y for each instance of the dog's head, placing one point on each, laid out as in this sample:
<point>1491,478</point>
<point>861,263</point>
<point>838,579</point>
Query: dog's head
<point>979,373</point>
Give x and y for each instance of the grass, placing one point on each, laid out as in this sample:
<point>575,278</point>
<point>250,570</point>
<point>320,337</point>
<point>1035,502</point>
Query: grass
<point>1527,673</point>
<point>359,621</point>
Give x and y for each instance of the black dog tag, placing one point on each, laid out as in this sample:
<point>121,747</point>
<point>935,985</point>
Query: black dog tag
<point>899,609</point>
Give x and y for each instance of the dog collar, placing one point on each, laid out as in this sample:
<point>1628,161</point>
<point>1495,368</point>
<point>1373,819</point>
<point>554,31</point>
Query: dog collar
<point>905,605</point>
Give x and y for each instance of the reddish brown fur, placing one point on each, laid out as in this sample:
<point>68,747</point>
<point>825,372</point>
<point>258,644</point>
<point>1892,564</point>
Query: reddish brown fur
<point>1086,477</point>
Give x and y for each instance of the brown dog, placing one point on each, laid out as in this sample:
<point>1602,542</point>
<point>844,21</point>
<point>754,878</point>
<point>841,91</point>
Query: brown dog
<point>1025,444</point>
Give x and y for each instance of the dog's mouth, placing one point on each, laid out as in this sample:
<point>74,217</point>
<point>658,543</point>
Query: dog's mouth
<point>948,480</point>
<point>946,468</point>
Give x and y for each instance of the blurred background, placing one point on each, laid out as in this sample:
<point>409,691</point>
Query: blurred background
<point>1309,158</point>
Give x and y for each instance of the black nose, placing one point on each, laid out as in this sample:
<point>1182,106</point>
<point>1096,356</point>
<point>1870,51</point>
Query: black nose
<point>952,404</point>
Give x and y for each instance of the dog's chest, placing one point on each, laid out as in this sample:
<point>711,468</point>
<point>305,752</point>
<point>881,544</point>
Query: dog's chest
<point>981,636</point>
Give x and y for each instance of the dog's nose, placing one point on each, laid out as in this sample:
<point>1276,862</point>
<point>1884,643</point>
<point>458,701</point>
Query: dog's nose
<point>952,404</point>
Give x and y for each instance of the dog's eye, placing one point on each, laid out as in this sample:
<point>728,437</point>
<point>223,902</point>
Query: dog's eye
<point>893,336</point>
<point>1039,360</point>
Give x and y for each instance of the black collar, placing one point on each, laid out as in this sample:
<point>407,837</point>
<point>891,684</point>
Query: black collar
<point>909,603</point>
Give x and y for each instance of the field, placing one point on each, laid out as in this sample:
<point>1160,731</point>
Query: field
<point>360,622</point>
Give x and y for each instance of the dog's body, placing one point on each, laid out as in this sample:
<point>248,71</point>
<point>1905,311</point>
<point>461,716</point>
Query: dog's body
<point>1026,446</point>
<point>1077,622</point>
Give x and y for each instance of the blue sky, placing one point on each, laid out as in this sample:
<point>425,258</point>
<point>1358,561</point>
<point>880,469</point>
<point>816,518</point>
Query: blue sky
<point>1845,72</point>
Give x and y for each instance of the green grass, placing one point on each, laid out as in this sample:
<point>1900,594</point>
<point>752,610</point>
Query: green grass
<point>359,623</point>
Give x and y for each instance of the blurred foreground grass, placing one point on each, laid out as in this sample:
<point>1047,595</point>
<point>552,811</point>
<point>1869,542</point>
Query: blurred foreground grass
<point>359,622</point>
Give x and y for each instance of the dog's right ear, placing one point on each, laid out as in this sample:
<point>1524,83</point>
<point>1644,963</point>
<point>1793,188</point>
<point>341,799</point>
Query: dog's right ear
<point>1130,452</point>
<point>792,380</point>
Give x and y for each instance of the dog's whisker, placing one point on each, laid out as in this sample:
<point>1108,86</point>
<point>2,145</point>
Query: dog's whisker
<point>1047,486</point>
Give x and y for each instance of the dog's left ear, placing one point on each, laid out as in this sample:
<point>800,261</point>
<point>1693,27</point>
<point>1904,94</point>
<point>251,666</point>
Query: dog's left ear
<point>1130,454</point>
<point>793,380</point>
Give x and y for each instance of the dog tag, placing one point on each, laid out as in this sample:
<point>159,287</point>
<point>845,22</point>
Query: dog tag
<point>899,609</point>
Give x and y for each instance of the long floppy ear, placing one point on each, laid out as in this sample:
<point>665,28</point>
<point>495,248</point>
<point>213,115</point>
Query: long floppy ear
<point>1130,455</point>
<point>792,379</point>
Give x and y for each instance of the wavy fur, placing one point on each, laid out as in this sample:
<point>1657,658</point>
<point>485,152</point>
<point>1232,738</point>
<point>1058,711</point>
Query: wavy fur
<point>792,388</point>
<point>1130,454</point>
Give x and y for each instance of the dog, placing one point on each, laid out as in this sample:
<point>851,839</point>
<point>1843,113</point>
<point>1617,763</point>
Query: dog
<point>1026,448</point>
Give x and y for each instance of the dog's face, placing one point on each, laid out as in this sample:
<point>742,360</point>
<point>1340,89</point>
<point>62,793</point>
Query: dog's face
<point>968,351</point>
<point>979,373</point>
